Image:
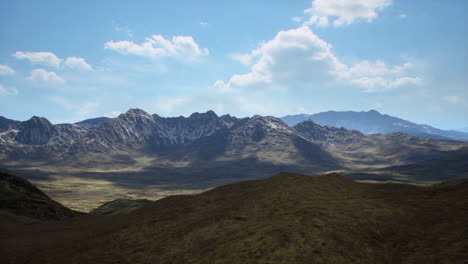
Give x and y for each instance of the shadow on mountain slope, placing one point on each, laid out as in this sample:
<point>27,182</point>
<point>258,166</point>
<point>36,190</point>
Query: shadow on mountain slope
<point>444,168</point>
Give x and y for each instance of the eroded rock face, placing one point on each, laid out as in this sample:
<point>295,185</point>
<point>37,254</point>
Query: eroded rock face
<point>325,134</point>
<point>35,131</point>
<point>131,130</point>
<point>5,123</point>
<point>259,128</point>
<point>133,127</point>
<point>181,130</point>
<point>207,137</point>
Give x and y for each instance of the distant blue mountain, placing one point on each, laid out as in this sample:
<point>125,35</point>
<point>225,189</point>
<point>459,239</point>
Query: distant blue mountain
<point>464,129</point>
<point>373,122</point>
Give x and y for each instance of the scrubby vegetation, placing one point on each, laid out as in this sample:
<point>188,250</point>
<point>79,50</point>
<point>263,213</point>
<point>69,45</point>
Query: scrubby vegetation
<point>288,218</point>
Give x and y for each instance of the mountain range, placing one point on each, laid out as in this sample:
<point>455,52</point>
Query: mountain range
<point>205,147</point>
<point>115,167</point>
<point>373,122</point>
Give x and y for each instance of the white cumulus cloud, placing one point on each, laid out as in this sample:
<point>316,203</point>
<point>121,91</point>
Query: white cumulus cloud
<point>343,12</point>
<point>45,77</point>
<point>245,59</point>
<point>157,47</point>
<point>295,54</point>
<point>298,57</point>
<point>6,70</point>
<point>77,63</point>
<point>8,90</point>
<point>44,58</point>
<point>50,59</point>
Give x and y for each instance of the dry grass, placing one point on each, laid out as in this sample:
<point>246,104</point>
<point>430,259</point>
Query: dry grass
<point>85,194</point>
<point>288,218</point>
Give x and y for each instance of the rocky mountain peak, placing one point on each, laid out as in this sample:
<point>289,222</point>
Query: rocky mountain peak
<point>207,115</point>
<point>268,122</point>
<point>133,127</point>
<point>309,124</point>
<point>5,122</point>
<point>259,127</point>
<point>324,134</point>
<point>374,112</point>
<point>37,120</point>
<point>135,113</point>
<point>184,130</point>
<point>211,113</point>
<point>137,118</point>
<point>35,131</point>
<point>228,120</point>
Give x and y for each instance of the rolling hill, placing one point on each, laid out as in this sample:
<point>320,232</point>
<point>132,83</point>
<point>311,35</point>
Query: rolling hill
<point>288,218</point>
<point>22,201</point>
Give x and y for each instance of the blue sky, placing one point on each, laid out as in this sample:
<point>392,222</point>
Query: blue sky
<point>72,60</point>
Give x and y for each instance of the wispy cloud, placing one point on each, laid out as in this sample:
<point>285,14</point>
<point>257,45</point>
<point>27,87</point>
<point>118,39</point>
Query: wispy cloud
<point>125,30</point>
<point>6,70</point>
<point>77,63</point>
<point>45,77</point>
<point>297,19</point>
<point>50,59</point>
<point>44,58</point>
<point>4,91</point>
<point>157,47</point>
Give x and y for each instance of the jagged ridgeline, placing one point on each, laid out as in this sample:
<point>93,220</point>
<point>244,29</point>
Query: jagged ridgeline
<point>213,148</point>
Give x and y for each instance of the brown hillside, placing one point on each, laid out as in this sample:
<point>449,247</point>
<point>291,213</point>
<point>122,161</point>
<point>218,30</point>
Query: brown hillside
<point>288,218</point>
